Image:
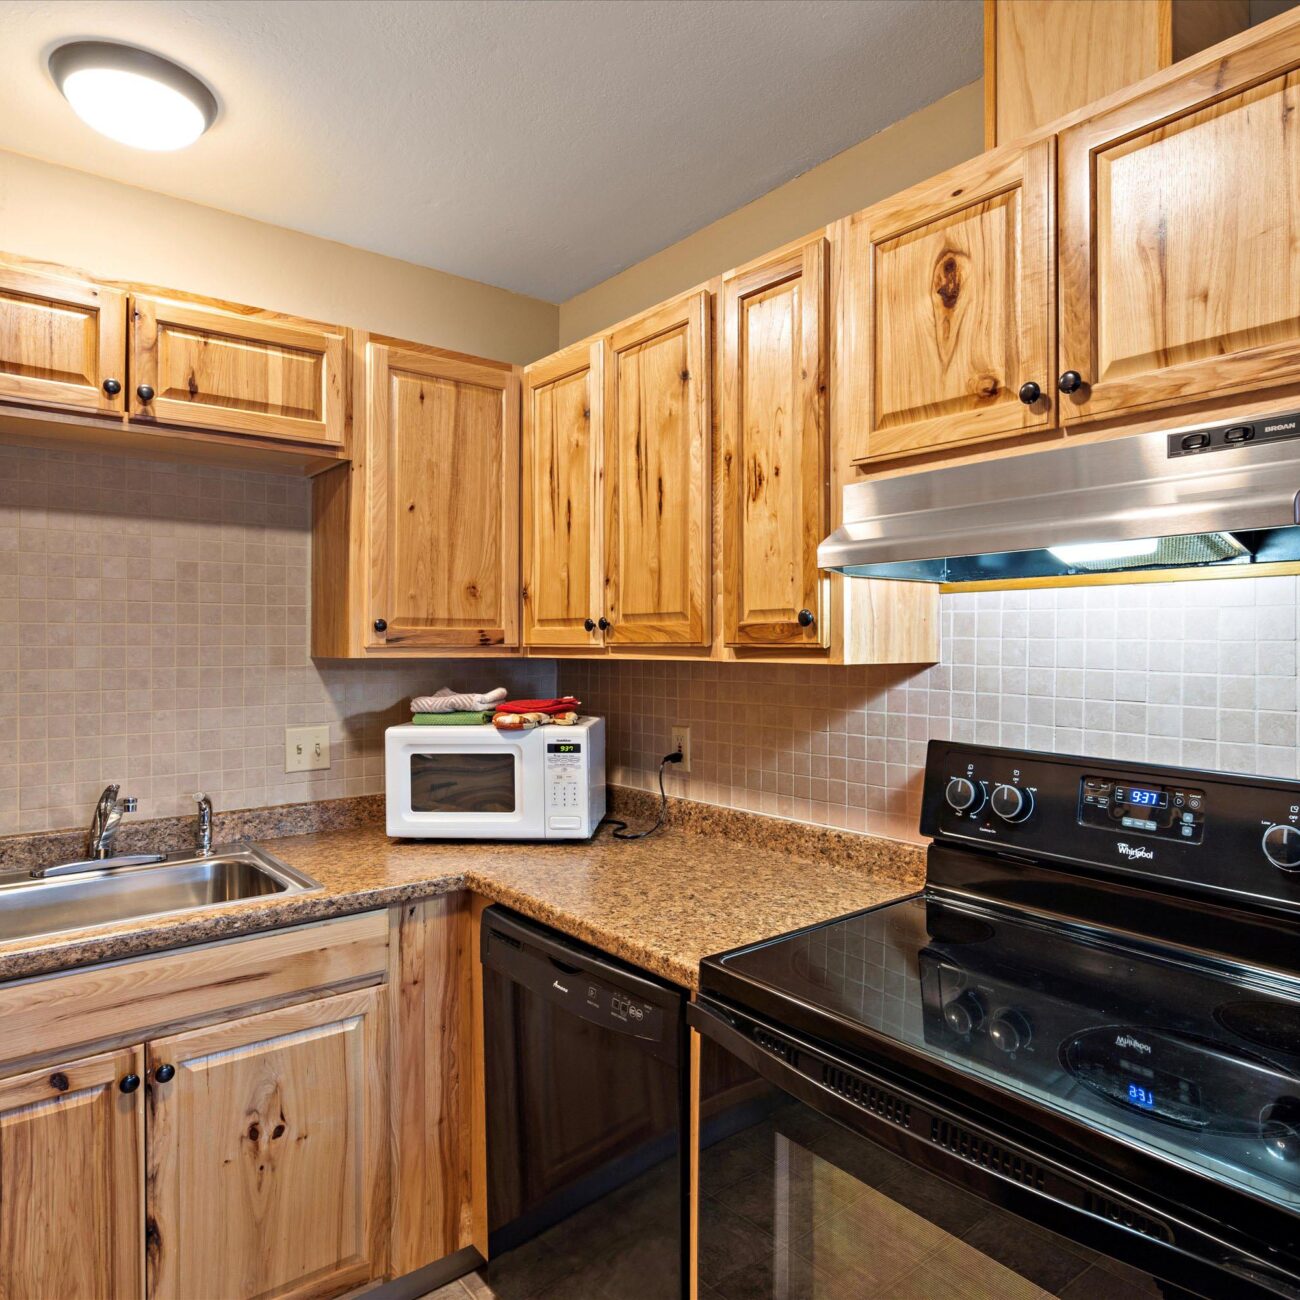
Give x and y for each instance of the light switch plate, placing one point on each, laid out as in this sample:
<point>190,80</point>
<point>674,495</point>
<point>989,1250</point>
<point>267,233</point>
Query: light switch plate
<point>306,748</point>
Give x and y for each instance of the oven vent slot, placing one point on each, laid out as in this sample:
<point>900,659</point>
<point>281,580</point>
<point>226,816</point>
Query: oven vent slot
<point>877,1100</point>
<point>989,1155</point>
<point>1126,1216</point>
<point>787,1052</point>
<point>495,936</point>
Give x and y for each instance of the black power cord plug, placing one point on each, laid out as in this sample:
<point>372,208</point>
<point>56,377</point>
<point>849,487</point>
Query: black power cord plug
<point>619,829</point>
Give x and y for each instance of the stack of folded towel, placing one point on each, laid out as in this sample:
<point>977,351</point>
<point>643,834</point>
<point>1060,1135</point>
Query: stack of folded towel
<point>448,708</point>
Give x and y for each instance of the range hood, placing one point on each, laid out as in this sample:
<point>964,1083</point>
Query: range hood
<point>1215,496</point>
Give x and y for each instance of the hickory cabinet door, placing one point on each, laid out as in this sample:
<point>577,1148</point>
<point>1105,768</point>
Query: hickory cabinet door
<point>657,476</point>
<point>442,434</point>
<point>774,450</point>
<point>564,430</point>
<point>62,342</point>
<point>948,309</point>
<point>71,1179</point>
<point>257,374</point>
<point>1180,225</point>
<point>267,1163</point>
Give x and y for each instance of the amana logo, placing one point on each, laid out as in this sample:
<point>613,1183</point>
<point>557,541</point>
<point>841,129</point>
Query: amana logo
<point>1134,851</point>
<point>1127,1040</point>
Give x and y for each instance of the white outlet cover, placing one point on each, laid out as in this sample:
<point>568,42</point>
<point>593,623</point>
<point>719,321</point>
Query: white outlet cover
<point>306,749</point>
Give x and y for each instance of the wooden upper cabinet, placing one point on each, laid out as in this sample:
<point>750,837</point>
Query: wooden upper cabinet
<point>442,476</point>
<point>258,373</point>
<point>948,309</point>
<point>564,430</point>
<point>1180,224</point>
<point>71,1184</point>
<point>267,1169</point>
<point>658,471</point>
<point>774,450</point>
<point>62,342</point>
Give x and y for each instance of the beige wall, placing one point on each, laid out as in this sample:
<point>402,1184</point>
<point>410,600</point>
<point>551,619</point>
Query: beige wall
<point>122,233</point>
<point>936,137</point>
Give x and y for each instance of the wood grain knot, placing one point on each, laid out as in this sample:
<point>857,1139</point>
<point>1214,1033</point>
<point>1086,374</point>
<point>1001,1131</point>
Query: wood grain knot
<point>254,1132</point>
<point>59,1081</point>
<point>987,386</point>
<point>948,279</point>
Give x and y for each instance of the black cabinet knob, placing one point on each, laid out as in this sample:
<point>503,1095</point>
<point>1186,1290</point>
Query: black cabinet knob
<point>165,1073</point>
<point>603,623</point>
<point>130,1083</point>
<point>381,625</point>
<point>589,624</point>
<point>112,387</point>
<point>1070,382</point>
<point>144,393</point>
<point>806,618</point>
<point>1030,393</point>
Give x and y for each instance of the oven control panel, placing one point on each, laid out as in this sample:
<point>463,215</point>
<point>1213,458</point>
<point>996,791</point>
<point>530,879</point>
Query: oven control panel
<point>1214,831</point>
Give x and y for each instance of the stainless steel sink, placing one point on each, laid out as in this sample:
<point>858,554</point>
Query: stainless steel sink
<point>132,888</point>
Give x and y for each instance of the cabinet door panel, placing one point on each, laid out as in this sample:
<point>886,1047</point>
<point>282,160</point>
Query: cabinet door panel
<point>1180,224</point>
<point>657,472</point>
<point>443,479</point>
<point>60,341</point>
<point>774,450</point>
<point>267,1158</point>
<point>948,308</point>
<point>71,1180</point>
<point>251,375</point>
<point>563,430</point>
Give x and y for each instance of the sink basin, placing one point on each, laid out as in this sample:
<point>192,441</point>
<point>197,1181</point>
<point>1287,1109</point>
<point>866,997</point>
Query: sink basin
<point>129,889</point>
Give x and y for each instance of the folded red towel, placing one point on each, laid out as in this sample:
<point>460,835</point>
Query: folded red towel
<point>564,704</point>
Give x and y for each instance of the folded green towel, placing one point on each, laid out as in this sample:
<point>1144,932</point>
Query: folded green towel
<point>466,718</point>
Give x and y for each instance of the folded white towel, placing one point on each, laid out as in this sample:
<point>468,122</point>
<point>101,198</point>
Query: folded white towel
<point>445,700</point>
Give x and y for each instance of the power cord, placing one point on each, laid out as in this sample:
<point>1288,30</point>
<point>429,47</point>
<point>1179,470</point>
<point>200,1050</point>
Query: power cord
<point>619,830</point>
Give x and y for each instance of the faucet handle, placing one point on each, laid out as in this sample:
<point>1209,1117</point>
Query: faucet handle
<point>199,797</point>
<point>128,803</point>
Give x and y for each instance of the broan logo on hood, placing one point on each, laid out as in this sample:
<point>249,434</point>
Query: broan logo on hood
<point>1134,852</point>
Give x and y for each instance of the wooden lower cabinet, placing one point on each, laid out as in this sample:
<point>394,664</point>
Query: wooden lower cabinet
<point>71,1145</point>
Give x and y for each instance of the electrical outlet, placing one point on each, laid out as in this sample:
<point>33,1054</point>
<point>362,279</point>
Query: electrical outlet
<point>682,741</point>
<point>306,748</point>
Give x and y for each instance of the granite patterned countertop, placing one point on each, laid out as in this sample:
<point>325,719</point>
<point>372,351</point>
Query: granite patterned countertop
<point>662,903</point>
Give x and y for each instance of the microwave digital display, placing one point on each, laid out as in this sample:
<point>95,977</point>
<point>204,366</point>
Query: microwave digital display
<point>563,747</point>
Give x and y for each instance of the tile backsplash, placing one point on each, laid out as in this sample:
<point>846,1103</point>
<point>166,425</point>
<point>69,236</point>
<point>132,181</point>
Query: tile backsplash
<point>153,632</point>
<point>1201,674</point>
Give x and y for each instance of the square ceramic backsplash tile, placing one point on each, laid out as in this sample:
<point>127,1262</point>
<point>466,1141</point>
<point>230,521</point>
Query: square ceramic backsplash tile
<point>1201,674</point>
<point>154,632</point>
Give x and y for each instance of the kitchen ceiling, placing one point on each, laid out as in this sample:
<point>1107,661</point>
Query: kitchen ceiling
<point>541,146</point>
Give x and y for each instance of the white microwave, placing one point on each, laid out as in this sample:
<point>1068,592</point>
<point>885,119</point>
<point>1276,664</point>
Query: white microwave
<point>484,784</point>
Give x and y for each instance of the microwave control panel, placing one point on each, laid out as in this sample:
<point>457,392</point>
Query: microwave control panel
<point>565,776</point>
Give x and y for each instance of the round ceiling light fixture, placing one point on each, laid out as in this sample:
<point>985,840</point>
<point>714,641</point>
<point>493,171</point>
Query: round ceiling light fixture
<point>132,96</point>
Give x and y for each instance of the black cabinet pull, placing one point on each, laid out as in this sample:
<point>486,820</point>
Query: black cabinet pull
<point>603,623</point>
<point>165,1073</point>
<point>1070,382</point>
<point>1030,393</point>
<point>381,625</point>
<point>112,387</point>
<point>130,1083</point>
<point>806,618</point>
<point>144,393</point>
<point>589,624</point>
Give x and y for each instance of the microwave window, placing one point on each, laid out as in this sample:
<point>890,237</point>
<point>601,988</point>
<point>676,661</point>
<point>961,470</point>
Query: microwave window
<point>463,783</point>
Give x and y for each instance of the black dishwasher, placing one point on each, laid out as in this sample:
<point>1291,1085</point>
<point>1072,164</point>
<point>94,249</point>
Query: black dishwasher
<point>586,1107</point>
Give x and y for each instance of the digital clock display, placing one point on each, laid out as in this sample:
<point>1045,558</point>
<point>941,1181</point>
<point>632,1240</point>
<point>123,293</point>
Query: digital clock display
<point>564,747</point>
<point>1140,798</point>
<point>1139,1095</point>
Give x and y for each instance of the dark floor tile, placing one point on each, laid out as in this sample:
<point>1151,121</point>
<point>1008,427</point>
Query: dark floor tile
<point>519,1274</point>
<point>1042,1257</point>
<point>797,1279</point>
<point>1101,1282</point>
<point>742,1155</point>
<point>727,1242</point>
<point>951,1208</point>
<point>803,1192</point>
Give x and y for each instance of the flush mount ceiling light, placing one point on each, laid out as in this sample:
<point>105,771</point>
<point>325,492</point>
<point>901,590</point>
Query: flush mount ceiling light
<point>132,96</point>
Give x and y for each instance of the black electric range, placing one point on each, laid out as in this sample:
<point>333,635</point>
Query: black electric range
<point>1089,1023</point>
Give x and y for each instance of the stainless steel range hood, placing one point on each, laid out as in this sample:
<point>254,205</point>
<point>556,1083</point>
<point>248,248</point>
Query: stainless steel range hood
<point>1216,496</point>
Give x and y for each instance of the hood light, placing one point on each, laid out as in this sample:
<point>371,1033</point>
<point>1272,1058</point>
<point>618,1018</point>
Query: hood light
<point>132,96</point>
<point>1091,552</point>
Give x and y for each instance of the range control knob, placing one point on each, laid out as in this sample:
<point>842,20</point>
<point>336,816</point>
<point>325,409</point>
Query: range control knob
<point>1282,846</point>
<point>1012,803</point>
<point>964,1013</point>
<point>1279,1126</point>
<point>964,795</point>
<point>1009,1030</point>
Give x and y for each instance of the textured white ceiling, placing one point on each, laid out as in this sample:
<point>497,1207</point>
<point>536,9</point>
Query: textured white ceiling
<point>541,145</point>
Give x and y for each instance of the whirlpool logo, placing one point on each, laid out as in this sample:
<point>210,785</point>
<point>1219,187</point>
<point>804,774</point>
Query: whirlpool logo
<point>1134,852</point>
<point>1134,1044</point>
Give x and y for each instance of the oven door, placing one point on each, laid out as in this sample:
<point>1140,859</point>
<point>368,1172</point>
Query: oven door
<point>464,783</point>
<point>819,1177</point>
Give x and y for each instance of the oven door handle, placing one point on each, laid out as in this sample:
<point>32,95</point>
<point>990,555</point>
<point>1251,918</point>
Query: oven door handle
<point>927,1134</point>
